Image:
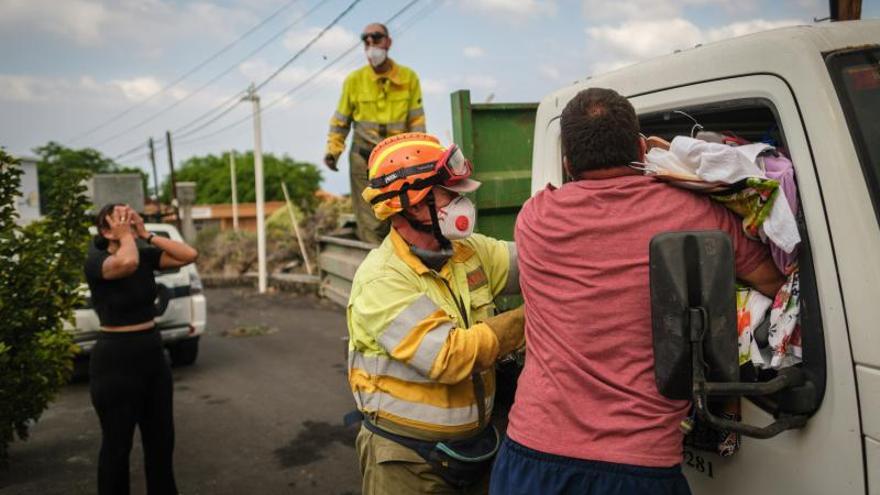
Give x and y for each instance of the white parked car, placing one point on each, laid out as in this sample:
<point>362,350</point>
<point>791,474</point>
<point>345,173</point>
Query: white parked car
<point>180,306</point>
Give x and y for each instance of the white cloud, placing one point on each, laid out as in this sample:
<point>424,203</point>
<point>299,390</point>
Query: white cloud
<point>480,81</point>
<point>550,72</point>
<point>603,10</point>
<point>637,40</point>
<point>474,52</point>
<point>516,10</point>
<point>433,86</point>
<point>138,88</point>
<point>747,27</point>
<point>79,20</point>
<point>643,39</point>
<point>151,24</point>
<point>335,40</point>
<point>257,70</point>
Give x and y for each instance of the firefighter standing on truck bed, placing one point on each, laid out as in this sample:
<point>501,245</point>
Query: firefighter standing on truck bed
<point>380,99</point>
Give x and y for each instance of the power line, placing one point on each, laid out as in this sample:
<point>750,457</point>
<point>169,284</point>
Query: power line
<point>308,45</point>
<point>214,79</point>
<point>277,71</point>
<point>184,76</point>
<point>248,56</point>
<point>423,13</point>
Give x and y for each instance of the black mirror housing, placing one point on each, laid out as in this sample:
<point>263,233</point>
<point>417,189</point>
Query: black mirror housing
<point>693,313</point>
<point>692,270</point>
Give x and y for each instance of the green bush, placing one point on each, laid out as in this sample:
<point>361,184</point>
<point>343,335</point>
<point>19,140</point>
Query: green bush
<point>40,274</point>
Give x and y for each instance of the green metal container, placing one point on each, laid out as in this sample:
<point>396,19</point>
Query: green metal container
<point>497,138</point>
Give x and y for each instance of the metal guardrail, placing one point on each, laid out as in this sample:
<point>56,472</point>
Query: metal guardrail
<point>338,260</point>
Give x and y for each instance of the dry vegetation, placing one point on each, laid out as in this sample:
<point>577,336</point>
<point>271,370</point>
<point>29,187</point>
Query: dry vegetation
<point>232,253</point>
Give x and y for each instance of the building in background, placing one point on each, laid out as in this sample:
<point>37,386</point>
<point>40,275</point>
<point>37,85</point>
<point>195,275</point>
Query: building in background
<point>220,215</point>
<point>27,203</point>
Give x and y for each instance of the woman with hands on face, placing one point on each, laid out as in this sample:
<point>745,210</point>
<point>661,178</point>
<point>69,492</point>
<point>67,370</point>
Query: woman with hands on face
<point>130,380</point>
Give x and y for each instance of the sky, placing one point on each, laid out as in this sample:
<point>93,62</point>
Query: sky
<point>109,74</point>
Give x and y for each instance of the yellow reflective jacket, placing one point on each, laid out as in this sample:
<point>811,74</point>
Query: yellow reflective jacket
<point>379,105</point>
<point>411,351</point>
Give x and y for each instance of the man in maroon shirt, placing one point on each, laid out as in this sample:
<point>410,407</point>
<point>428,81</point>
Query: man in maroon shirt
<point>588,417</point>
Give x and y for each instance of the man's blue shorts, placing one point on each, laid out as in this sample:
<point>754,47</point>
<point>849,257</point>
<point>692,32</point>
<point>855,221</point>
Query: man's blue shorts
<point>521,470</point>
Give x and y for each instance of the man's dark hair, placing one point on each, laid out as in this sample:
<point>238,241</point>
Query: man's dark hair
<point>599,130</point>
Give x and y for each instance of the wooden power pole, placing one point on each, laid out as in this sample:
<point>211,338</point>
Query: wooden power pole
<point>845,10</point>
<point>173,180</point>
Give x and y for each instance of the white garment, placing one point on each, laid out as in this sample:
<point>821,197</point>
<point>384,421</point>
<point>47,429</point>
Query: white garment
<point>718,162</point>
<point>715,162</point>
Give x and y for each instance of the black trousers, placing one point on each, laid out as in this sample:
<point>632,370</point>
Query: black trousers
<point>130,384</point>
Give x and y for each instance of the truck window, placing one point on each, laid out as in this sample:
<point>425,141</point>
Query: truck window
<point>757,120</point>
<point>856,76</point>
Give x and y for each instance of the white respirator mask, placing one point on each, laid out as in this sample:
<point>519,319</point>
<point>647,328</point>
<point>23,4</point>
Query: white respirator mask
<point>457,219</point>
<point>376,56</point>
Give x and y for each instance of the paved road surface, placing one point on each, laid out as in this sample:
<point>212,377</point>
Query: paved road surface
<point>255,415</point>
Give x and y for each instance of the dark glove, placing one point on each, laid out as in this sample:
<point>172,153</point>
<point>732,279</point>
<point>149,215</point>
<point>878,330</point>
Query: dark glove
<point>330,161</point>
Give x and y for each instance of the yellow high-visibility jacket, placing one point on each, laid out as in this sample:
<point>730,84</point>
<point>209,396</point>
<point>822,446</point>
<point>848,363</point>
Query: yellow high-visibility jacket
<point>379,105</point>
<point>411,351</point>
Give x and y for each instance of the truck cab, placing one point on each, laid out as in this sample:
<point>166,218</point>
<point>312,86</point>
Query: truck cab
<point>815,92</point>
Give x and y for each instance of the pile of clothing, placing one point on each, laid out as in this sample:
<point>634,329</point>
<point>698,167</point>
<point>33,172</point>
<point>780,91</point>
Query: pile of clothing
<point>756,181</point>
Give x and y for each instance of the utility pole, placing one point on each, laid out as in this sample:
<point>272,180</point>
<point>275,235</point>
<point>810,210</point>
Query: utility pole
<point>233,179</point>
<point>845,10</point>
<point>258,176</point>
<point>173,180</point>
<point>155,174</point>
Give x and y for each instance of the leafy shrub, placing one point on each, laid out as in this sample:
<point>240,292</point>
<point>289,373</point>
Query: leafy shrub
<point>40,274</point>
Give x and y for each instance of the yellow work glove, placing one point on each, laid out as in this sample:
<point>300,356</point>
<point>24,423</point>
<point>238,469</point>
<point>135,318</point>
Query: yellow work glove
<point>509,328</point>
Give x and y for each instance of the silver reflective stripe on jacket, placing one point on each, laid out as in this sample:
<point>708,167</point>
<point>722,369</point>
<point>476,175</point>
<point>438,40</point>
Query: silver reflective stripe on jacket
<point>454,416</point>
<point>385,366</point>
<point>512,285</point>
<point>416,112</point>
<point>374,132</point>
<point>343,119</point>
<point>432,342</point>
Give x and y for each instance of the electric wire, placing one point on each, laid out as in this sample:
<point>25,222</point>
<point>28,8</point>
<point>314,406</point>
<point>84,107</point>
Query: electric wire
<point>277,71</point>
<point>318,73</point>
<point>179,79</point>
<point>211,81</point>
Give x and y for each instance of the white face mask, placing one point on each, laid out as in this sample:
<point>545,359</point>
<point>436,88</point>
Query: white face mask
<point>376,56</point>
<point>457,219</point>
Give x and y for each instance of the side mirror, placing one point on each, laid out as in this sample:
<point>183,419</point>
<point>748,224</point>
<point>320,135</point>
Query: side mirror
<point>693,313</point>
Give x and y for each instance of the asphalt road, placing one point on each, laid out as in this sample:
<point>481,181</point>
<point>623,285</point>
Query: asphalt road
<point>257,414</point>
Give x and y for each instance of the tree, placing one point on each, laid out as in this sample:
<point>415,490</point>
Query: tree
<point>56,158</point>
<point>211,173</point>
<point>40,275</point>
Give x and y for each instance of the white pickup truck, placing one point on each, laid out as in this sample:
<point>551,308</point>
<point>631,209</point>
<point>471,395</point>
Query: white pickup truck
<point>815,90</point>
<point>180,305</point>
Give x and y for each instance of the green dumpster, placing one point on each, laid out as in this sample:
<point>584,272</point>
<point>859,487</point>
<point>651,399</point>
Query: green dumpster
<point>498,138</point>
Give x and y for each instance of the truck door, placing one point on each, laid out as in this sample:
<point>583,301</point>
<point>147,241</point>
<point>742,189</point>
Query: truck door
<point>826,456</point>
